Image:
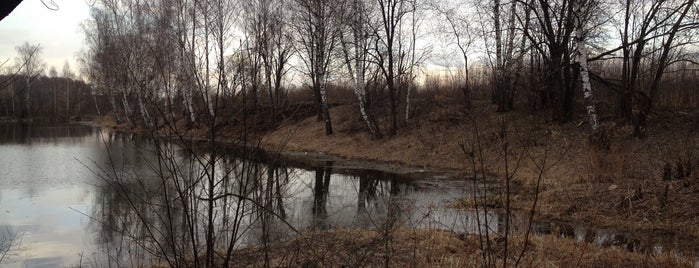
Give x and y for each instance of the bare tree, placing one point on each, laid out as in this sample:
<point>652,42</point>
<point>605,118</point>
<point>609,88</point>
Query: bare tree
<point>10,241</point>
<point>355,41</point>
<point>555,26</point>
<point>97,61</point>
<point>590,108</point>
<point>29,65</point>
<point>458,26</point>
<point>318,33</point>
<point>272,45</point>
<point>649,32</point>
<point>389,51</point>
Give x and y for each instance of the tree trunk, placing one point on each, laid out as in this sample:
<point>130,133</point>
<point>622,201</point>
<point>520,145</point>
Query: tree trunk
<point>115,111</point>
<point>597,137</point>
<point>144,111</point>
<point>324,105</point>
<point>127,108</point>
<point>586,86</point>
<point>97,107</point>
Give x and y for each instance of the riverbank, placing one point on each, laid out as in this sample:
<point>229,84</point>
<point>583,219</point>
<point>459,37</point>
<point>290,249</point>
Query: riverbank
<point>643,186</point>
<point>635,185</point>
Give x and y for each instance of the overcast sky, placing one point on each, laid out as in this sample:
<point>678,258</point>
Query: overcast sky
<point>57,31</point>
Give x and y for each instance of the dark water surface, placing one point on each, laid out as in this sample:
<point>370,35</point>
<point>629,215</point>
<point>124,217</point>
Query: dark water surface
<point>78,195</point>
<point>57,209</point>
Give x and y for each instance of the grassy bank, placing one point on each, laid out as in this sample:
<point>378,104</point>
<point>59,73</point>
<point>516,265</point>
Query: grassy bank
<point>640,185</point>
<point>434,248</point>
<point>626,187</point>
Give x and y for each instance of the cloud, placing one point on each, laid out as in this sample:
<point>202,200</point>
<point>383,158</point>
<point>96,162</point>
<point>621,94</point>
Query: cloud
<point>57,31</point>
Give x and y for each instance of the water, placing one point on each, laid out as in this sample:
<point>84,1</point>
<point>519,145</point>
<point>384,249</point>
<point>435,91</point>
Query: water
<point>79,195</point>
<point>64,188</point>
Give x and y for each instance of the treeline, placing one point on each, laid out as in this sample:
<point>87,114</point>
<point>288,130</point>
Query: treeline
<point>28,91</point>
<point>55,98</point>
<point>197,60</point>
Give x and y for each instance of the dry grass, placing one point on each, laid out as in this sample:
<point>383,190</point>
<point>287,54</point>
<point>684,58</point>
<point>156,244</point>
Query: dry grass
<point>622,187</point>
<point>433,248</point>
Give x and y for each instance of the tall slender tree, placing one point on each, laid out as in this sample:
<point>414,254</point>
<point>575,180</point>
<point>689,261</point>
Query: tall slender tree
<point>29,65</point>
<point>356,39</point>
<point>318,33</point>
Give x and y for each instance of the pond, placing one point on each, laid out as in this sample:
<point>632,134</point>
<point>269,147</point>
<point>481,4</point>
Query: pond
<point>81,195</point>
<point>70,194</point>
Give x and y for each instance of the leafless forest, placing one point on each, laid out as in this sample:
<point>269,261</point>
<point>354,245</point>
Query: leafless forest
<point>592,80</point>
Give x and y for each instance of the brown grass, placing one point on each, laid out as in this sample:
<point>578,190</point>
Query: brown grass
<point>622,187</point>
<point>433,248</point>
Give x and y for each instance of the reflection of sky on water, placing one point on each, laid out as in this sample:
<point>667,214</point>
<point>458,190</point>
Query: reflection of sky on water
<point>47,226</point>
<point>40,181</point>
<point>45,193</point>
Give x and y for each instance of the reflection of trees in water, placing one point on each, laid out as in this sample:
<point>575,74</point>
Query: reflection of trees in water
<point>321,191</point>
<point>23,133</point>
<point>379,199</point>
<point>174,211</point>
<point>169,203</point>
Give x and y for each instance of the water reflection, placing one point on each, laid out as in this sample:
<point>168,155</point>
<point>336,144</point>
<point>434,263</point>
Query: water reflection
<point>87,196</point>
<point>257,202</point>
<point>27,133</point>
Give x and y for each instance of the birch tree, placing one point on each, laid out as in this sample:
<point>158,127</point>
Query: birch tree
<point>183,30</point>
<point>584,72</point>
<point>318,33</point>
<point>28,64</point>
<point>355,41</point>
<point>499,29</point>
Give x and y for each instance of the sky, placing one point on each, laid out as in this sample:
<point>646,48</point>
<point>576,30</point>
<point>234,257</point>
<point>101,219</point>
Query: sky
<point>57,31</point>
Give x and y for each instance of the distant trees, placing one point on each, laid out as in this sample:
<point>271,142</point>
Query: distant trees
<point>649,35</point>
<point>27,91</point>
<point>29,65</point>
<point>390,51</point>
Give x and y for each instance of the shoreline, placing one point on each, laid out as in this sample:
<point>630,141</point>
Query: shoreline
<point>580,185</point>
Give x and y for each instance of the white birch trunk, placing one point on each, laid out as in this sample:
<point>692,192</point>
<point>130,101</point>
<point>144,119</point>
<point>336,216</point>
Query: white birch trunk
<point>360,92</point>
<point>127,108</point>
<point>407,96</point>
<point>585,75</point>
<point>357,74</point>
<point>97,107</point>
<point>189,104</point>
